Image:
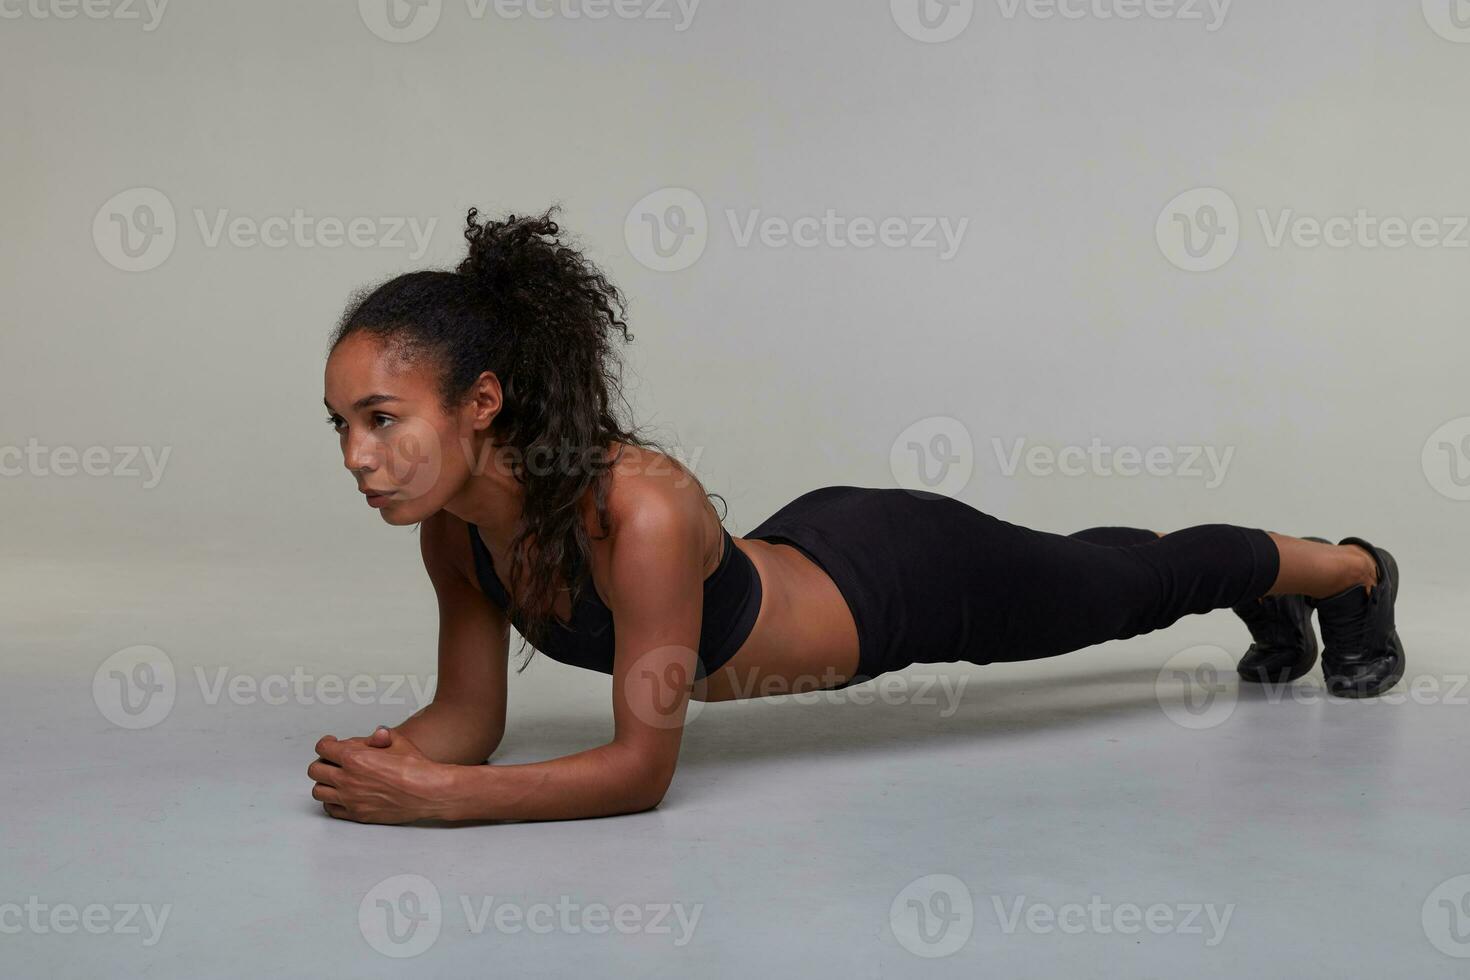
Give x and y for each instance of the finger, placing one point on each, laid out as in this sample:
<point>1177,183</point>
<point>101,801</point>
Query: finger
<point>331,749</point>
<point>324,772</point>
<point>325,794</point>
<point>336,810</point>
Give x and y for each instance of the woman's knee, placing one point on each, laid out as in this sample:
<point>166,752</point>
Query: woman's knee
<point>1213,566</point>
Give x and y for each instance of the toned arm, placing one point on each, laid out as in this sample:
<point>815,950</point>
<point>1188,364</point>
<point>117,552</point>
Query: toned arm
<point>466,719</point>
<point>655,591</point>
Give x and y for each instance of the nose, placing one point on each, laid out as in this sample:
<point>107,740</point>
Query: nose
<point>359,453</point>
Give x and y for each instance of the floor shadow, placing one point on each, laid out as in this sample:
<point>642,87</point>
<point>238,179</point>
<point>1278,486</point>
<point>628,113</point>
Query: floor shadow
<point>839,723</point>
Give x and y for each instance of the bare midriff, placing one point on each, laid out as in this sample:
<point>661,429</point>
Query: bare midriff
<point>804,638</point>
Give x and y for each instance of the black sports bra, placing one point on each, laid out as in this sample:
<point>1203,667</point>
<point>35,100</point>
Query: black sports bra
<point>732,600</point>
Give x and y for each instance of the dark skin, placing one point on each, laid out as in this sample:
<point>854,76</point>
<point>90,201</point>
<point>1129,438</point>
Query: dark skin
<point>440,469</point>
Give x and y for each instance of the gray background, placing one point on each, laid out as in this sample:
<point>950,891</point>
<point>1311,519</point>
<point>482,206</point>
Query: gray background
<point>775,369</point>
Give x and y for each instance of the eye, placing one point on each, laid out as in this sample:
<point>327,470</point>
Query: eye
<point>335,421</point>
<point>382,421</point>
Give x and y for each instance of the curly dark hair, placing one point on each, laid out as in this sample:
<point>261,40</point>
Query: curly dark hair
<point>533,310</point>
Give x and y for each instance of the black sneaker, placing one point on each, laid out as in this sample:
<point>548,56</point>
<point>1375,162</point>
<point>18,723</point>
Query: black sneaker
<point>1362,655</point>
<point>1285,646</point>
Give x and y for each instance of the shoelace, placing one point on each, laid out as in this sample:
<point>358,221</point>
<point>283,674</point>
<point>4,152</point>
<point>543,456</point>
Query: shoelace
<point>1269,623</point>
<point>1346,639</point>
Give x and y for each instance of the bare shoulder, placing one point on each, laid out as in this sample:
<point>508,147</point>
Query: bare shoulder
<point>656,508</point>
<point>652,491</point>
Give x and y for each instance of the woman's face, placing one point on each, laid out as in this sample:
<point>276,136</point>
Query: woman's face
<point>409,457</point>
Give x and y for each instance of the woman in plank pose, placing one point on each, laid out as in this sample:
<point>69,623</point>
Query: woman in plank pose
<point>480,404</point>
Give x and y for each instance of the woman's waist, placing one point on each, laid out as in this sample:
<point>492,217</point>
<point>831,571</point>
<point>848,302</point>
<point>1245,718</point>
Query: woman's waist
<point>803,638</point>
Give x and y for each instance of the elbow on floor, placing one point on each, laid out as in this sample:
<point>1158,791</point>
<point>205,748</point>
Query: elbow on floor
<point>648,791</point>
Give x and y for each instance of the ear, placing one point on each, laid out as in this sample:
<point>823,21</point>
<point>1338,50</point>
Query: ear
<point>484,401</point>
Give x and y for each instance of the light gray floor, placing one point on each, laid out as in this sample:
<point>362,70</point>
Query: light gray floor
<point>794,837</point>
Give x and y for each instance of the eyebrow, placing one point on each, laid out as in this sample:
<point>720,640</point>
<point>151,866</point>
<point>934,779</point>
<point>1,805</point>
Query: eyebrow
<point>366,402</point>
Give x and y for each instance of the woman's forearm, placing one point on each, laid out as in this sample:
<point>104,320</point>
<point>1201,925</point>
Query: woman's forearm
<point>599,782</point>
<point>462,735</point>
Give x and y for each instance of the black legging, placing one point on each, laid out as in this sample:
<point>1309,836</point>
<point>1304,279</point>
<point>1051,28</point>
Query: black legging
<point>1198,568</point>
<point>931,579</point>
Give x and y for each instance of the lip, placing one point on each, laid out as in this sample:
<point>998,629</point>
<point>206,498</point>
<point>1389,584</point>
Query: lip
<point>376,499</point>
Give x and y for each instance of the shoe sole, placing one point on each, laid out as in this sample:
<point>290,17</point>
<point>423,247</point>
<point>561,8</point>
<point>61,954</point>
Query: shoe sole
<point>1285,675</point>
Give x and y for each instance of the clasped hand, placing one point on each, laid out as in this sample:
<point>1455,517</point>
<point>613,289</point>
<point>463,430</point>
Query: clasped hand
<point>382,778</point>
